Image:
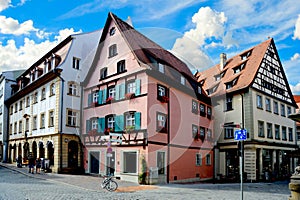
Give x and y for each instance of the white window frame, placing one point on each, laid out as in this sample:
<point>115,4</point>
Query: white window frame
<point>129,119</point>
<point>198,159</point>
<point>72,117</point>
<point>131,87</point>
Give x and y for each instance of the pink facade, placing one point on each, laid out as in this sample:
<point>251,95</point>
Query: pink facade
<point>144,117</point>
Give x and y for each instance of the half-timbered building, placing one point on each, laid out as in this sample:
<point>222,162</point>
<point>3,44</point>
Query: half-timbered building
<point>146,118</point>
<point>251,91</point>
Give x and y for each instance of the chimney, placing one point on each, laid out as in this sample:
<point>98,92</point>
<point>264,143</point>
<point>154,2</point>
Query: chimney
<point>223,60</point>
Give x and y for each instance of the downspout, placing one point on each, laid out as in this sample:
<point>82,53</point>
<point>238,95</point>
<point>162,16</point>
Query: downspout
<point>169,139</point>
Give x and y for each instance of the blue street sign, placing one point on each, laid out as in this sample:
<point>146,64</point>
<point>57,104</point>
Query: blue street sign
<point>240,134</point>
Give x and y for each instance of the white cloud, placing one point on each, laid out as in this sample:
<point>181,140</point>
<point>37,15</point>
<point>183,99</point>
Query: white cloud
<point>295,88</point>
<point>4,4</point>
<point>12,26</point>
<point>297,29</point>
<point>22,57</point>
<point>209,24</point>
<point>295,57</point>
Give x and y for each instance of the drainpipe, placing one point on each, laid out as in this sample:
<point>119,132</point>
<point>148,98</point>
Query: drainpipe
<point>169,139</point>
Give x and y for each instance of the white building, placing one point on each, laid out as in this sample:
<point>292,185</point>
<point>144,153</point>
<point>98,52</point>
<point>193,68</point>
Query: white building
<point>6,80</point>
<point>251,91</point>
<point>44,117</point>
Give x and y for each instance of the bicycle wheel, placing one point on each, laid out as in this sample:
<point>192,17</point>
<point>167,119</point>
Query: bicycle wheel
<point>112,186</point>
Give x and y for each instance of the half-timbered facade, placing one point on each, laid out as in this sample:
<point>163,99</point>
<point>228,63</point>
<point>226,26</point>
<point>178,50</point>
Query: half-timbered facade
<point>251,91</point>
<point>44,109</point>
<point>145,115</point>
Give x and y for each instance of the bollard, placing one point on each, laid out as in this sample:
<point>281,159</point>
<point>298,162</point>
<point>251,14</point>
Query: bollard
<point>294,185</point>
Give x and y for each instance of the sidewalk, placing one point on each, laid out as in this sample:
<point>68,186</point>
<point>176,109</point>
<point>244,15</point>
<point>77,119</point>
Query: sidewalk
<point>87,182</point>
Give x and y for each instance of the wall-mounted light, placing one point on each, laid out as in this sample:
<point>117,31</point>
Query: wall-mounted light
<point>66,140</point>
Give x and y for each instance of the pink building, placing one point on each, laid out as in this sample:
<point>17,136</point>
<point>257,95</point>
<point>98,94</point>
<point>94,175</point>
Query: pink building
<point>145,116</point>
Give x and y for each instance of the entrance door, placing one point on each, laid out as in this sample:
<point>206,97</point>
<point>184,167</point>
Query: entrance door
<point>73,154</point>
<point>94,162</point>
<point>110,163</point>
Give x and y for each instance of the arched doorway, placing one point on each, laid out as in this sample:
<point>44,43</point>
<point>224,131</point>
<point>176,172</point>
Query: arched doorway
<point>41,150</point>
<point>73,154</point>
<point>50,152</point>
<point>34,150</point>
<point>25,151</point>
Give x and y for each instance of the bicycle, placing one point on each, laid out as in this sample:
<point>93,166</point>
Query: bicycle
<point>109,184</point>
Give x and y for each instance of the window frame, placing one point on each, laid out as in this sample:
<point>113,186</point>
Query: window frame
<point>268,104</point>
<point>199,159</point>
<point>103,73</point>
<point>72,119</point>
<point>261,128</point>
<point>270,130</point>
<point>259,102</point>
<point>229,103</point>
<point>51,118</point>
<point>76,63</point>
<point>121,66</point>
<point>161,125</point>
<point>112,50</point>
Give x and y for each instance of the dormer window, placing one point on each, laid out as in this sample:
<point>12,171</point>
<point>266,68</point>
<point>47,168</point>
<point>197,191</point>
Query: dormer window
<point>219,76</point>
<point>239,68</point>
<point>231,83</point>
<point>112,31</point>
<point>161,68</point>
<point>182,80</point>
<point>246,55</point>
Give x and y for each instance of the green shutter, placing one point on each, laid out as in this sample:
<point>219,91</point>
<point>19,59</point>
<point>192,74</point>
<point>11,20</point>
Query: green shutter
<point>90,96</point>
<point>100,97</point>
<point>88,126</point>
<point>104,96</point>
<point>117,92</point>
<point>137,118</point>
<point>119,120</point>
<point>101,125</point>
<point>137,87</point>
<point>122,91</point>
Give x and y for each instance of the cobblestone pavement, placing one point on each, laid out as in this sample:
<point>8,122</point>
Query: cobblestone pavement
<point>88,187</point>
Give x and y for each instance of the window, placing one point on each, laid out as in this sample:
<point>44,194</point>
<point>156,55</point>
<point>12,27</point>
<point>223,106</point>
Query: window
<point>129,119</point>
<point>15,127</point>
<point>283,132</point>
<point>182,80</point>
<point>76,62</point>
<point>16,107</point>
<point>42,122</point>
<point>268,104</point>
<point>259,101</point>
<point>195,131</point>
<point>52,89</point>
<point>73,89</point>
<point>161,68</point>
<point>194,107</point>
<point>208,159</point>
<point>112,31</point>
<point>202,133</point>
<point>1,109</point>
<point>10,129</point>
<point>282,110</point>
<point>51,118</point>
<point>43,95</point>
<point>131,87</point>
<point>161,123</point>
<point>277,132</point>
<point>228,103</point>
<point>34,123</point>
<point>72,118</point>
<point>95,96</point>
<point>209,134</point>
<point>111,92</point>
<point>160,162</point>
<point>103,73</point>
<point>121,66</point>
<point>289,110</point>
<point>21,105</point>
<point>20,126</point>
<point>269,130</point>
<point>11,109</point>
<point>112,51</point>
<point>228,130</point>
<point>110,122</point>
<point>130,162</point>
<point>27,101</point>
<point>35,97</point>
<point>202,110</point>
<point>208,112</point>
<point>94,123</point>
<point>290,134</point>
<point>1,127</point>
<point>261,129</point>
<point>198,159</point>
<point>275,107</point>
<point>162,93</point>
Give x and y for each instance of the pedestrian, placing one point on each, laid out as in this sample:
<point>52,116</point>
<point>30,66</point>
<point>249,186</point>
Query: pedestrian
<point>38,165</point>
<point>19,161</point>
<point>31,164</point>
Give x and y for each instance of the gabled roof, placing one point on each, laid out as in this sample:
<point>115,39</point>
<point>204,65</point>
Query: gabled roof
<point>141,46</point>
<point>249,65</point>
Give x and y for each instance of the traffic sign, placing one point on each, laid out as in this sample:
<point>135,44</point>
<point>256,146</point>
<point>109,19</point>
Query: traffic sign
<point>240,134</point>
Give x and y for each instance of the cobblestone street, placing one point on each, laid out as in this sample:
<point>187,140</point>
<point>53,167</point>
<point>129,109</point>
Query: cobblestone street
<point>17,183</point>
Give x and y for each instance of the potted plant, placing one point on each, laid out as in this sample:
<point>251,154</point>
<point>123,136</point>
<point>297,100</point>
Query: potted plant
<point>107,131</point>
<point>165,99</point>
<point>109,99</point>
<point>129,129</point>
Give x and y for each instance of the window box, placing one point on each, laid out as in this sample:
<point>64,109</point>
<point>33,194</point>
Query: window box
<point>94,104</point>
<point>164,99</point>
<point>110,100</point>
<point>129,129</point>
<point>92,132</point>
<point>129,95</point>
<point>107,131</point>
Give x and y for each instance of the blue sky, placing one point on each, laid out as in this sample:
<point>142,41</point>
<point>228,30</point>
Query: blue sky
<point>195,30</point>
